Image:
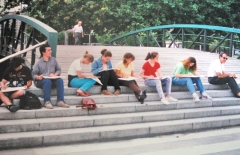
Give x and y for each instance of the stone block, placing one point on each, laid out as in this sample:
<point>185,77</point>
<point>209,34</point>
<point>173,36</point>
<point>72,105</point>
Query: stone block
<point>20,140</point>
<point>65,123</point>
<point>60,112</point>
<point>117,119</point>
<point>155,106</point>
<point>162,116</point>
<point>113,108</point>
<point>123,131</point>
<point>170,127</point>
<point>54,137</point>
<point>202,113</point>
<point>208,123</point>
<point>9,126</point>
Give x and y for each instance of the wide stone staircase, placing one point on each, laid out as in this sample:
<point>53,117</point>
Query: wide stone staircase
<point>122,117</point>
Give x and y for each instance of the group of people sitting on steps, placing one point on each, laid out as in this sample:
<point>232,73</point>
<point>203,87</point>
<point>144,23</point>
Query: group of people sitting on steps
<point>46,75</point>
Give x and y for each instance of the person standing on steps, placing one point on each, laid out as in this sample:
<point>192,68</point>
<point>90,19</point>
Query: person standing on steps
<point>46,72</point>
<point>185,75</point>
<point>78,33</point>
<point>217,74</point>
<point>125,69</point>
<point>148,72</point>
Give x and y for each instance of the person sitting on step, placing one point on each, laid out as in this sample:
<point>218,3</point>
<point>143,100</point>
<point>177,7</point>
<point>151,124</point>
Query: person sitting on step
<point>103,67</point>
<point>148,72</point>
<point>125,69</point>
<point>217,74</point>
<point>16,75</point>
<point>185,75</point>
<point>80,78</point>
<point>46,72</point>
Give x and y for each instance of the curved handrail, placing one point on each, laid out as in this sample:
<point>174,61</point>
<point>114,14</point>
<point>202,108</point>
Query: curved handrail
<point>220,28</point>
<point>50,33</point>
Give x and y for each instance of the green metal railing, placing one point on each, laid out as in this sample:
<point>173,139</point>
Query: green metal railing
<point>13,32</point>
<point>192,36</point>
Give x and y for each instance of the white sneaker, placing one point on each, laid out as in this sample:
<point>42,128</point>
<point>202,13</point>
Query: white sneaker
<point>164,101</point>
<point>171,99</point>
<point>205,95</point>
<point>195,97</point>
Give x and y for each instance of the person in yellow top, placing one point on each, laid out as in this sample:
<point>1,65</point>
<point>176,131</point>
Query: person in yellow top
<point>125,69</point>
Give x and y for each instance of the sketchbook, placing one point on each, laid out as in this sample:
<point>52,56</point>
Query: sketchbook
<point>130,78</point>
<point>9,89</point>
<point>107,69</point>
<point>96,78</point>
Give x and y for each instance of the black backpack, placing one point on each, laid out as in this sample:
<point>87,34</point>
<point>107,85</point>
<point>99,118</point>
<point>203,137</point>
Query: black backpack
<point>30,101</point>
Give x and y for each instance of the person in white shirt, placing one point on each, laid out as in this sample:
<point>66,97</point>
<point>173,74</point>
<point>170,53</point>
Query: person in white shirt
<point>217,74</point>
<point>78,33</point>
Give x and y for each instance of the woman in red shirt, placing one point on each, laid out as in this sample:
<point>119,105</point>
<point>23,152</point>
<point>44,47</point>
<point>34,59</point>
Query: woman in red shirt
<point>153,77</point>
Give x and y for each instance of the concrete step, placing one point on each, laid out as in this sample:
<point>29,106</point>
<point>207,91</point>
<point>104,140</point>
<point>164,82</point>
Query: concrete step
<point>119,108</point>
<point>42,124</point>
<point>101,99</point>
<point>100,133</point>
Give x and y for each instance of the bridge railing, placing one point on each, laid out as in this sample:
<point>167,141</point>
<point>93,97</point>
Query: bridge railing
<point>19,32</point>
<point>191,36</point>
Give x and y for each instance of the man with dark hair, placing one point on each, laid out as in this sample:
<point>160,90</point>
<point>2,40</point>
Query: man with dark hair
<point>48,66</point>
<point>18,76</point>
<point>217,74</point>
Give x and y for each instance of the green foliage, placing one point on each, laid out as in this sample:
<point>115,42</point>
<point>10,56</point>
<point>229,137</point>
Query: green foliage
<point>112,17</point>
<point>61,38</point>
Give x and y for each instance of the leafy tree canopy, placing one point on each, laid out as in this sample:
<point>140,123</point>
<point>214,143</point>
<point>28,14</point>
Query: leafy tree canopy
<point>120,16</point>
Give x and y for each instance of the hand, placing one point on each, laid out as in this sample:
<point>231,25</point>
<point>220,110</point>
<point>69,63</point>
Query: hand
<point>51,75</point>
<point>233,75</point>
<point>40,77</point>
<point>125,76</point>
<point>4,87</point>
<point>89,75</point>
<point>104,66</point>
<point>26,87</point>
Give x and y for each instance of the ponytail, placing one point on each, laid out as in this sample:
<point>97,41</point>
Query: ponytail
<point>151,55</point>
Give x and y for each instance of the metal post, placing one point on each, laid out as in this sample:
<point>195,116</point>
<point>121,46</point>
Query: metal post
<point>183,38</point>
<point>205,40</point>
<point>147,38</point>
<point>231,45</point>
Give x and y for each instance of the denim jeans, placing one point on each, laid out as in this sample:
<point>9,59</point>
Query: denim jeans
<point>189,83</point>
<point>158,83</point>
<point>82,83</point>
<point>47,84</point>
<point>229,80</point>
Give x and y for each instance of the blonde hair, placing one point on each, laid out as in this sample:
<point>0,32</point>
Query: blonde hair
<point>88,56</point>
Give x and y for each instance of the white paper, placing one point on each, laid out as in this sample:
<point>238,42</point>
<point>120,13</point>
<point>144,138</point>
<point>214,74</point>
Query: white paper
<point>96,78</point>
<point>9,89</point>
<point>107,69</point>
<point>129,78</point>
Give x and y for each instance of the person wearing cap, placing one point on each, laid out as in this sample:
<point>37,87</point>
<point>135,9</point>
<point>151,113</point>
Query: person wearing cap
<point>217,74</point>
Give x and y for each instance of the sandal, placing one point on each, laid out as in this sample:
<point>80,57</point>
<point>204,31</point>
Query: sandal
<point>80,93</point>
<point>12,108</point>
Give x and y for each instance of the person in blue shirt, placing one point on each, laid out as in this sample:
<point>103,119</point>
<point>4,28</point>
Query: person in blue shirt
<point>103,67</point>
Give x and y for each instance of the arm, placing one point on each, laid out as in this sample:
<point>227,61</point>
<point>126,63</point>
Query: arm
<point>35,72</point>
<point>225,74</point>
<point>159,72</point>
<point>3,84</point>
<point>57,70</point>
<point>28,85</point>
<point>95,67</point>
<point>83,75</point>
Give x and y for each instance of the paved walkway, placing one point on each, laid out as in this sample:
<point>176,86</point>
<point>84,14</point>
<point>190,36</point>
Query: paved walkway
<point>214,142</point>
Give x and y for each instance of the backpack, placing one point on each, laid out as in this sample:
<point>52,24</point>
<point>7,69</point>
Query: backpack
<point>88,103</point>
<point>30,101</point>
